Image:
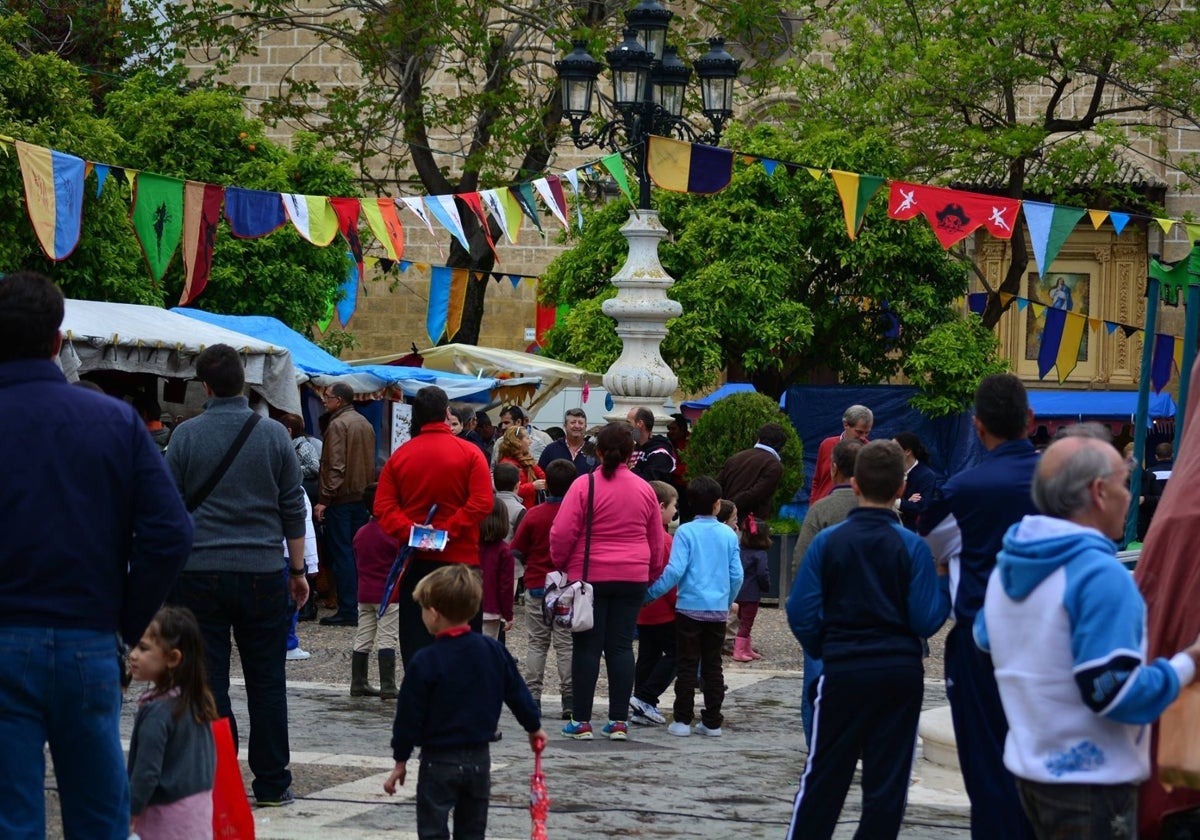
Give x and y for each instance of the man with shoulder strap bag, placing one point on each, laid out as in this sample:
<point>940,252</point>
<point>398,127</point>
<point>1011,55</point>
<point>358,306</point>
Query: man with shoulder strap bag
<point>241,480</point>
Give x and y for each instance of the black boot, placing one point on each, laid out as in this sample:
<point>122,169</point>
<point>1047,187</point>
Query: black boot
<point>387,674</point>
<point>359,687</point>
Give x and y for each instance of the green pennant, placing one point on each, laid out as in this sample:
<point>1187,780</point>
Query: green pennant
<point>616,168</point>
<point>157,218</point>
<point>1173,279</point>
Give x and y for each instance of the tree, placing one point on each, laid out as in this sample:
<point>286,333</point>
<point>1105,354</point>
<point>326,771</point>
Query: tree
<point>773,289</point>
<point>1029,99</point>
<point>460,95</point>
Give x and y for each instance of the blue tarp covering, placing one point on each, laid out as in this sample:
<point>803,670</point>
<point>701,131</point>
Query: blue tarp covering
<point>719,394</point>
<point>306,356</point>
<point>1096,405</point>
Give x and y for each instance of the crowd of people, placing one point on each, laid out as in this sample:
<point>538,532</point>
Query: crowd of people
<point>179,545</point>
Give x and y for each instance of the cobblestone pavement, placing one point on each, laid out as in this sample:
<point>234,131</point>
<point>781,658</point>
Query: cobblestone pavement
<point>652,786</point>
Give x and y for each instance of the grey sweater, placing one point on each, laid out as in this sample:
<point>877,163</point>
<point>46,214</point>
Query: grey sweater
<point>169,758</point>
<point>257,503</point>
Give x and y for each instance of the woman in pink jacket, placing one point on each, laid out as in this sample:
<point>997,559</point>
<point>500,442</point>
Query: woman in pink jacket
<point>625,555</point>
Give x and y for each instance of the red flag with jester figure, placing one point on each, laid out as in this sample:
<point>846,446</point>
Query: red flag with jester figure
<point>953,214</point>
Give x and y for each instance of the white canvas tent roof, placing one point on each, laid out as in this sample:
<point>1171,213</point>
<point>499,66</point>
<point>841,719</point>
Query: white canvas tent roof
<point>145,339</point>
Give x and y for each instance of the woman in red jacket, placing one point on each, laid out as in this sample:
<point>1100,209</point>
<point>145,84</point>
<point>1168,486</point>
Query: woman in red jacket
<point>514,448</point>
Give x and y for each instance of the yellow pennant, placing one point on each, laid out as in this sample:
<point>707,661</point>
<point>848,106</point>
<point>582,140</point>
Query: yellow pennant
<point>1068,348</point>
<point>1166,225</point>
<point>1097,217</point>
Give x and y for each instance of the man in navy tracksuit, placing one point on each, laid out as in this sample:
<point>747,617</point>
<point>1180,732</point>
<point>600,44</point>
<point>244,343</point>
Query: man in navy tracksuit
<point>867,594</point>
<point>965,524</point>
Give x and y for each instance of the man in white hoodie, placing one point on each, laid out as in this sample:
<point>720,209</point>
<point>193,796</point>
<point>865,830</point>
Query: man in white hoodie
<point>1065,627</point>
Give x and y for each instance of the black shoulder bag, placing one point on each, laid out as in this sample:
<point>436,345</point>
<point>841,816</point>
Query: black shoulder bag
<point>234,448</point>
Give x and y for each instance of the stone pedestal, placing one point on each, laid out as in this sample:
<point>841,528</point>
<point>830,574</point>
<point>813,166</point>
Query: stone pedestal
<point>641,309</point>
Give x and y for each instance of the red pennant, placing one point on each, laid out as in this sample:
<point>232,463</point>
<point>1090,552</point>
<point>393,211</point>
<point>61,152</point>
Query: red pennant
<point>347,213</point>
<point>473,201</point>
<point>546,316</point>
<point>953,214</point>
<point>201,215</point>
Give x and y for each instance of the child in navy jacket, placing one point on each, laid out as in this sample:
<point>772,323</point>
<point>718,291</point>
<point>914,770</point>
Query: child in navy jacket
<point>450,706</point>
<point>867,594</point>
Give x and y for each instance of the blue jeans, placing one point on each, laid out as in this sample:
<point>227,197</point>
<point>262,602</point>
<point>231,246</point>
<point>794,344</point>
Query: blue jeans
<point>341,524</point>
<point>61,686</point>
<point>254,607</point>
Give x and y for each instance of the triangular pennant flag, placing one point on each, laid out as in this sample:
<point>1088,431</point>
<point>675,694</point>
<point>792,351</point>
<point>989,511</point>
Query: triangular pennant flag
<point>1111,326</point>
<point>1097,217</point>
<point>1129,331</point>
<point>417,206</point>
<point>515,279</point>
<point>253,213</point>
<point>1038,308</point>
<point>385,224</point>
<point>385,265</point>
<point>953,214</point>
<point>1119,220</point>
<point>817,174</point>
<point>312,216</point>
<point>524,195</point>
<point>347,215</point>
<point>443,208</point>
<point>131,175</point>
<point>201,219</point>
<point>1164,356</point>
<point>856,191</point>
<point>101,175</point>
<point>458,297</point>
<point>688,167</point>
<point>1166,225</point>
<point>1052,335</point>
<point>1193,233</point>
<point>573,180</point>
<point>770,166</point>
<point>1022,303</point>
<point>556,204</point>
<point>53,197</point>
<point>1094,324</point>
<point>977,302</point>
<point>404,265</point>
<point>1005,299</point>
<point>1049,227</point>
<point>324,322</point>
<point>1178,356</point>
<point>473,201</point>
<point>544,321</point>
<point>117,173</point>
<point>439,302</point>
<point>157,217</point>
<point>1068,348</point>
<point>349,287</point>
<point>505,210</point>
<point>616,168</point>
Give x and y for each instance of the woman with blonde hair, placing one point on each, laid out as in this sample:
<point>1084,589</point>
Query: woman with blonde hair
<point>514,449</point>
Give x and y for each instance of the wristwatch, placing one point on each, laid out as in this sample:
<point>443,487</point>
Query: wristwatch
<point>296,572</point>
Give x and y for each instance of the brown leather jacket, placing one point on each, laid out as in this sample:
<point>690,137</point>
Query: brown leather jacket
<point>347,458</point>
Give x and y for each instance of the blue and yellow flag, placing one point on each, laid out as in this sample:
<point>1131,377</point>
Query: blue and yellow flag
<point>53,197</point>
<point>688,167</point>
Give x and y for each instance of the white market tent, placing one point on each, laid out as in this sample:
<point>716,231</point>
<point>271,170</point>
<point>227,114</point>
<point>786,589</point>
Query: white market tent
<point>145,339</point>
<point>507,365</point>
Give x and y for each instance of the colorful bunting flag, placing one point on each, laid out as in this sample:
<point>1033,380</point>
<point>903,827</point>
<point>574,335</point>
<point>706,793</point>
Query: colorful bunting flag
<point>347,215</point>
<point>551,191</point>
<point>201,219</point>
<point>459,279</point>
<point>312,216</point>
<point>349,288</point>
<point>1049,226</point>
<point>688,167</point>
<point>1174,279</point>
<point>414,203</point>
<point>385,224</point>
<point>573,180</point>
<point>977,302</point>
<point>253,213</point>
<point>616,168</point>
<point>1068,348</point>
<point>157,217</point>
<point>443,208</point>
<point>1166,225</point>
<point>473,201</point>
<point>101,174</point>
<point>953,214</point>
<point>1119,220</point>
<point>523,193</point>
<point>439,302</point>
<point>544,321</point>
<point>770,166</point>
<point>505,210</point>
<point>1097,217</point>
<point>856,191</point>
<point>1052,335</point>
<point>1160,365</point>
<point>53,197</point>
<point>1193,233</point>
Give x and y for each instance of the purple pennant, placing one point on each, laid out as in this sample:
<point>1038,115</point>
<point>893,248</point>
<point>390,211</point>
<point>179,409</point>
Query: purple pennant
<point>1056,320</point>
<point>977,301</point>
<point>1164,357</point>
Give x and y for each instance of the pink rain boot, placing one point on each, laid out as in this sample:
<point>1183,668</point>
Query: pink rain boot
<point>750,650</point>
<point>741,650</point>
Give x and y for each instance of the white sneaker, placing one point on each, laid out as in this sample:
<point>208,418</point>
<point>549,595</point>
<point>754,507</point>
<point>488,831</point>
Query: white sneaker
<point>297,653</point>
<point>644,710</point>
<point>701,729</point>
<point>680,729</point>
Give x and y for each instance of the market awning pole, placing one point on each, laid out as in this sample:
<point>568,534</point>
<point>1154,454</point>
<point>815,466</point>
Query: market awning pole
<point>1142,416</point>
<point>1190,330</point>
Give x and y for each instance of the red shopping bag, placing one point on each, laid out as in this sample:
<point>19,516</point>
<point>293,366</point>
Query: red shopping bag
<point>232,819</point>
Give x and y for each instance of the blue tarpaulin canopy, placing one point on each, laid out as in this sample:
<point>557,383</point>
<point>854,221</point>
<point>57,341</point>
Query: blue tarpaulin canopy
<point>721,393</point>
<point>1096,405</point>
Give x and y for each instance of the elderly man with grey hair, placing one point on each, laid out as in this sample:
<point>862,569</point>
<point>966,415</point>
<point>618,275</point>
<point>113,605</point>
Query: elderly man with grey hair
<point>857,422</point>
<point>1064,624</point>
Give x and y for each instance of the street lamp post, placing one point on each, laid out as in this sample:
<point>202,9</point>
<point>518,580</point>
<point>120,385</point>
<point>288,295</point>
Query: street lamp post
<point>649,86</point>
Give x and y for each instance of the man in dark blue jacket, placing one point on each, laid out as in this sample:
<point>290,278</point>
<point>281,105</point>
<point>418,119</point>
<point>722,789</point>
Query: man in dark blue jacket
<point>94,535</point>
<point>867,594</point>
<point>965,524</point>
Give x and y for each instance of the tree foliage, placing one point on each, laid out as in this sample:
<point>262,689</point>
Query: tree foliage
<point>1030,99</point>
<point>773,289</point>
<point>151,123</point>
<point>730,426</point>
<point>447,97</point>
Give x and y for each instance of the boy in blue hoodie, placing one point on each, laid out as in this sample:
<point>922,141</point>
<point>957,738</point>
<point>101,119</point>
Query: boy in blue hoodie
<point>867,594</point>
<point>707,566</point>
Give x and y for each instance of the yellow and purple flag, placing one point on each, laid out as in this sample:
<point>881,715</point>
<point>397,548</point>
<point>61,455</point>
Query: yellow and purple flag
<point>688,167</point>
<point>53,197</point>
